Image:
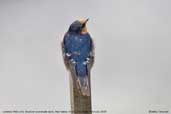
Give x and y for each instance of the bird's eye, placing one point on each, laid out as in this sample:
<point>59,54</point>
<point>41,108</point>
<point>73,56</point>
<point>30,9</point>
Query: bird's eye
<point>83,25</point>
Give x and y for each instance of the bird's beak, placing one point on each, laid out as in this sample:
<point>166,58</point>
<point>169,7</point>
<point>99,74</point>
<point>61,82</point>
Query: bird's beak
<point>83,25</point>
<point>86,20</point>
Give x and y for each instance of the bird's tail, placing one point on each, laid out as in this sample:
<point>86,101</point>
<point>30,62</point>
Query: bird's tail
<point>83,85</point>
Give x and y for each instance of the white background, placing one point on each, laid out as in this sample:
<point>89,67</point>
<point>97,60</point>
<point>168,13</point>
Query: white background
<point>132,70</point>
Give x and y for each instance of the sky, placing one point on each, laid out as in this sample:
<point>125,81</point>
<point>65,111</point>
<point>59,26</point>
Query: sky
<point>132,66</point>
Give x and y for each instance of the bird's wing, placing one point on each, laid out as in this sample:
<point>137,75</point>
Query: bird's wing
<point>66,59</point>
<point>90,59</point>
<point>83,85</point>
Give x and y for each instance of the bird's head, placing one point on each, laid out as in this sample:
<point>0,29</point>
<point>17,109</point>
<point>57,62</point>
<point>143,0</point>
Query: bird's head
<point>78,26</point>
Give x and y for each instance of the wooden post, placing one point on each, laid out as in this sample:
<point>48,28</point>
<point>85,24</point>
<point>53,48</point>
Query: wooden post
<point>79,104</point>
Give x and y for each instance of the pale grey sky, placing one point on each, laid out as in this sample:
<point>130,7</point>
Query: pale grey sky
<point>132,71</point>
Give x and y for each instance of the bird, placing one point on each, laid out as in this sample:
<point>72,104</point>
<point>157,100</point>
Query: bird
<point>78,54</point>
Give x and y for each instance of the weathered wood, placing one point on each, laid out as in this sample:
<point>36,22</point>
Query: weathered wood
<point>79,104</point>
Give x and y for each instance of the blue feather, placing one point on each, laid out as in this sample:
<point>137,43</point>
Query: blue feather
<point>79,47</point>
